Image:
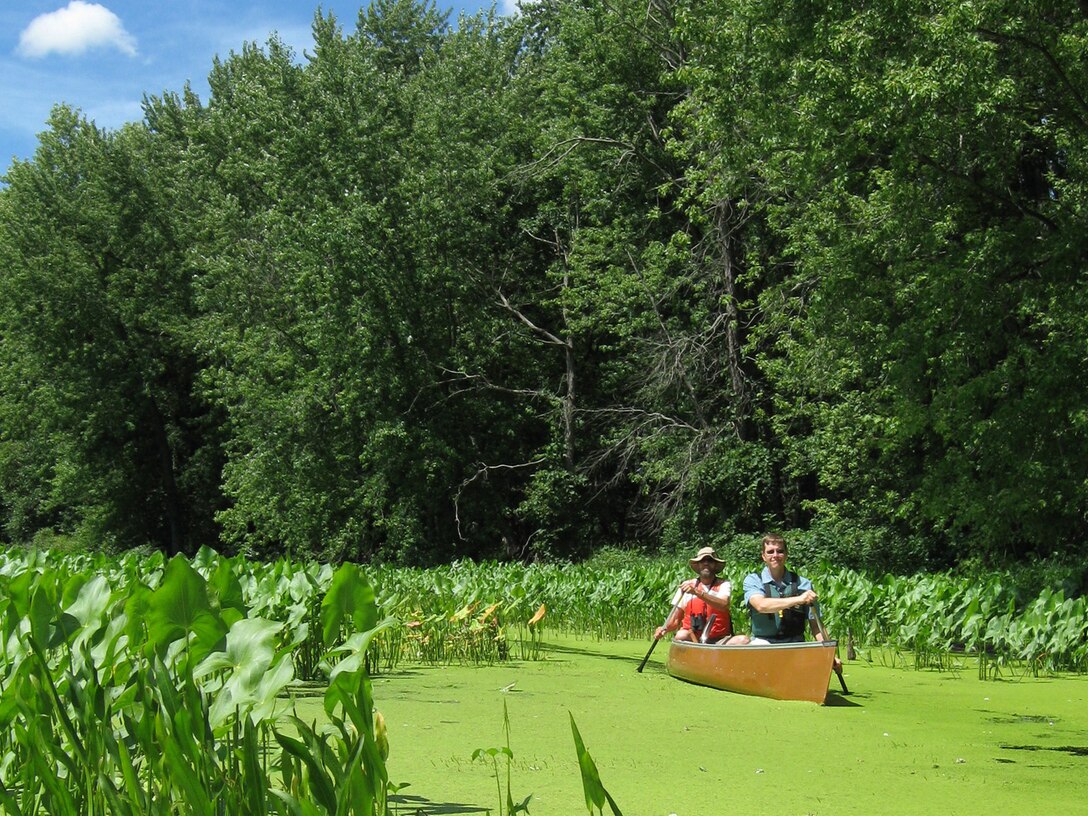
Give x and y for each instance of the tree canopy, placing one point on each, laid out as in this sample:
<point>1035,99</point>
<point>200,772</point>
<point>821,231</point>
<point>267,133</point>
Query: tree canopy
<point>603,273</point>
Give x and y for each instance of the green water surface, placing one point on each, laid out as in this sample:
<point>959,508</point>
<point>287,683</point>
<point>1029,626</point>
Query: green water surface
<point>903,742</point>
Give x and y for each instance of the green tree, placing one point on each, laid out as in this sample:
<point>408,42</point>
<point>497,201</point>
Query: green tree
<point>403,34</point>
<point>921,169</point>
<point>103,432</point>
<point>328,300</point>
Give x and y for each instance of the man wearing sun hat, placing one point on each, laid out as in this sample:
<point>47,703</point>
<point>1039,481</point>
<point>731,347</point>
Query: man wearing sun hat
<point>698,599</point>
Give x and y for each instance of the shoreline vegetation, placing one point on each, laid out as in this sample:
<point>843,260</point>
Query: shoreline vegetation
<point>484,613</point>
<point>138,682</point>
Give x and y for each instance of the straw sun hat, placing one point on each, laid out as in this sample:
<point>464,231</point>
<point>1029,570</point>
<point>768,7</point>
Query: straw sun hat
<point>705,552</point>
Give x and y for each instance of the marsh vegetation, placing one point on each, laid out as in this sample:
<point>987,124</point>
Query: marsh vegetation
<point>140,684</point>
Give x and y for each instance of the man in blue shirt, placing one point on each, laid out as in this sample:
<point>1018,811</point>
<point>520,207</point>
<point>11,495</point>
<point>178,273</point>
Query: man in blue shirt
<point>779,601</point>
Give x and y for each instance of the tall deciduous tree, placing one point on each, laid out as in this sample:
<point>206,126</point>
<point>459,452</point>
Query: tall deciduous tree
<point>103,430</point>
<point>606,271</point>
<point>918,161</point>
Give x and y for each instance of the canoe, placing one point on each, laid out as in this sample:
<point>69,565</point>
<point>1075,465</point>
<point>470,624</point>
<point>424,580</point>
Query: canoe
<point>782,671</point>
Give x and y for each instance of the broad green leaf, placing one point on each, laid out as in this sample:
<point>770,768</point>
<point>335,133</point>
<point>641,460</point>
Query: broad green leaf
<point>355,647</point>
<point>321,785</point>
<point>137,605</point>
<point>226,590</point>
<point>42,609</point>
<point>180,606</point>
<point>92,601</point>
<point>350,599</point>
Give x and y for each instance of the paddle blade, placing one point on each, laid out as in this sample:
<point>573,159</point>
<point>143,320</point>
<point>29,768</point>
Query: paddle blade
<point>842,681</point>
<point>642,665</point>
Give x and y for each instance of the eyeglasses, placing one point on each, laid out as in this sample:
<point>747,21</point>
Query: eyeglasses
<point>774,552</point>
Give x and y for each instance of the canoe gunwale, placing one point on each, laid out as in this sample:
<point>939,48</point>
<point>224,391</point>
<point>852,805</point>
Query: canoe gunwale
<point>808,644</point>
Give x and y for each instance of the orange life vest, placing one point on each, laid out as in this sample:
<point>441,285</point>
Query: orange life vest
<point>698,612</point>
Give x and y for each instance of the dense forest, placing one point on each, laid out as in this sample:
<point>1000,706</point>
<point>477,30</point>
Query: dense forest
<point>610,272</point>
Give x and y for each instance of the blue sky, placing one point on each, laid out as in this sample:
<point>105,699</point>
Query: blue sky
<point>102,56</point>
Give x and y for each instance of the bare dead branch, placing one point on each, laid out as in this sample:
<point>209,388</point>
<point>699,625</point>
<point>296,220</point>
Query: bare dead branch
<point>547,335</point>
<point>483,471</point>
<point>571,145</point>
<point>663,419</point>
<point>479,382</point>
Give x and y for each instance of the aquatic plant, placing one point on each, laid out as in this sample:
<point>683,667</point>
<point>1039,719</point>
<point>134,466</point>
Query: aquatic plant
<point>596,795</point>
<point>507,806</point>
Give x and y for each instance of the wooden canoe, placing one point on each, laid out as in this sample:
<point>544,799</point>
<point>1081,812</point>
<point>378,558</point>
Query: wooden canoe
<point>782,671</point>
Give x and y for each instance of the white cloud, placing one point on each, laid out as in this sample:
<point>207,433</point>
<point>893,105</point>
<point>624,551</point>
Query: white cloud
<point>513,8</point>
<point>74,29</point>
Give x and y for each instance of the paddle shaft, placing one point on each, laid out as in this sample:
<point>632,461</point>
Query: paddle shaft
<point>823,634</point>
<point>706,629</point>
<point>653,645</point>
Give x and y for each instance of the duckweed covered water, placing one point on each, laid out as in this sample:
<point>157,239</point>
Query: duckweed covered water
<point>904,742</point>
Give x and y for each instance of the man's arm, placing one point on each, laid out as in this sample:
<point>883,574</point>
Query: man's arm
<point>761,603</point>
<point>755,597</point>
<point>719,602</point>
<point>676,616</point>
<point>718,599</point>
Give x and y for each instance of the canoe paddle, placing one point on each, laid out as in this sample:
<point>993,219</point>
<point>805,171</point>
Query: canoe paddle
<point>675,607</point>
<point>823,634</point>
<point>706,629</point>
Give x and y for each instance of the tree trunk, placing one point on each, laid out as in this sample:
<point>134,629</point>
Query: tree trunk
<point>568,396</point>
<point>171,500</point>
<point>733,347</point>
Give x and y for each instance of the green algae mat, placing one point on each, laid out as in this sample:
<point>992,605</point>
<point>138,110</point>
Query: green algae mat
<point>903,742</point>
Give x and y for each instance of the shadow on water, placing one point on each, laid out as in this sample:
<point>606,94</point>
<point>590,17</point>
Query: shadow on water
<point>1072,750</point>
<point>551,649</point>
<point>418,806</point>
<point>1029,719</point>
<point>836,699</point>
<point>303,689</point>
